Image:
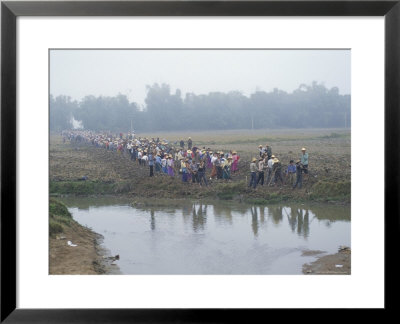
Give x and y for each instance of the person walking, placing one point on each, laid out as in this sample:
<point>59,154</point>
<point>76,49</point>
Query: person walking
<point>170,165</point>
<point>189,142</point>
<point>201,172</point>
<point>218,165</point>
<point>214,167</point>
<point>164,166</point>
<point>235,162</point>
<point>158,163</point>
<point>227,168</point>
<point>277,169</point>
<point>260,150</point>
<point>151,164</point>
<point>253,173</point>
<point>270,165</point>
<point>268,150</point>
<point>291,173</point>
<point>304,161</point>
<point>185,171</point>
<point>194,169</point>
<point>133,153</point>
<point>261,163</point>
<point>299,175</point>
<point>145,158</point>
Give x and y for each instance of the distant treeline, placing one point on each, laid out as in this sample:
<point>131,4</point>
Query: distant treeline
<point>312,106</point>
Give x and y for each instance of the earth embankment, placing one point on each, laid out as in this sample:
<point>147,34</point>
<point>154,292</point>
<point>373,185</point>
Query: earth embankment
<point>82,169</point>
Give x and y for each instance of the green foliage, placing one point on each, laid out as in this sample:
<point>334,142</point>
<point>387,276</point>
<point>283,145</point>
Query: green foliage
<point>55,228</point>
<point>58,216</point>
<point>58,208</point>
<point>331,191</point>
<point>270,198</point>
<point>308,106</point>
<point>227,191</point>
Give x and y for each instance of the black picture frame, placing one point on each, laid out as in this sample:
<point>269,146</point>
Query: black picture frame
<point>10,10</point>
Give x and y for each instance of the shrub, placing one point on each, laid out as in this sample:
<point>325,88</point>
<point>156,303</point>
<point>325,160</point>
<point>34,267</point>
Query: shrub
<point>57,208</point>
<point>54,228</point>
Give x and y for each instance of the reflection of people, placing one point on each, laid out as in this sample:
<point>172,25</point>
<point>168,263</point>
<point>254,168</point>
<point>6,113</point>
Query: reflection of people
<point>198,219</point>
<point>276,214</point>
<point>299,221</point>
<point>292,219</point>
<point>152,220</point>
<point>262,214</point>
<point>254,223</point>
<point>306,225</point>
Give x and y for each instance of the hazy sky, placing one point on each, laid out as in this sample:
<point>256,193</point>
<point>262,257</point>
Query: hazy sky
<point>78,73</point>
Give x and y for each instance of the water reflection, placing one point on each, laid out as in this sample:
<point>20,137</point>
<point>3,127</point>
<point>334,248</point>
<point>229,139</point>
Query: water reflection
<point>254,220</point>
<point>152,220</point>
<point>298,217</point>
<point>199,217</point>
<point>277,214</point>
<point>186,237</point>
<point>195,214</point>
<point>223,214</point>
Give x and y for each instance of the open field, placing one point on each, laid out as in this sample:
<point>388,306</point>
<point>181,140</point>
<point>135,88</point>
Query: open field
<point>111,173</point>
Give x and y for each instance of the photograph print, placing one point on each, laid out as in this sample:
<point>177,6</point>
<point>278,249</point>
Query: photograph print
<point>199,161</point>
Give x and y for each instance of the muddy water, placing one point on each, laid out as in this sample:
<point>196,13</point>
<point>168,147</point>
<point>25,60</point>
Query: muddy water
<point>184,237</point>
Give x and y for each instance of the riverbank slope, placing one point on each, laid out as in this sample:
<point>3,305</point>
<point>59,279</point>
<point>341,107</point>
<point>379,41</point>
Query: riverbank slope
<point>73,248</point>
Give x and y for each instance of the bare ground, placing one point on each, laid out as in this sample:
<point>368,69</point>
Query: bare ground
<point>332,264</point>
<point>87,258</point>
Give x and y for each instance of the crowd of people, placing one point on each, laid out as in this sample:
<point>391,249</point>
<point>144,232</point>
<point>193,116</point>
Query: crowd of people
<point>270,164</point>
<point>192,163</point>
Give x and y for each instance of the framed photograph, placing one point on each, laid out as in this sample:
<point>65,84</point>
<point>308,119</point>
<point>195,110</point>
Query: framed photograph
<point>184,160</point>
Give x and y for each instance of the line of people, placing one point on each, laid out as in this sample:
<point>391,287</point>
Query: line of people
<point>163,157</point>
<point>192,164</point>
<point>269,163</point>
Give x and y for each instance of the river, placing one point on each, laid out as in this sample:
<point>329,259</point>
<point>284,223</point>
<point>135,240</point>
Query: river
<point>185,237</point>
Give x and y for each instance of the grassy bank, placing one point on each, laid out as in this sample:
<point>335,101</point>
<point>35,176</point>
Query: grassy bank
<point>321,191</point>
<point>59,218</point>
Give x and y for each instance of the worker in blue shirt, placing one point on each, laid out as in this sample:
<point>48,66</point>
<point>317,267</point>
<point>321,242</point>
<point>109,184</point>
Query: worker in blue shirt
<point>291,173</point>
